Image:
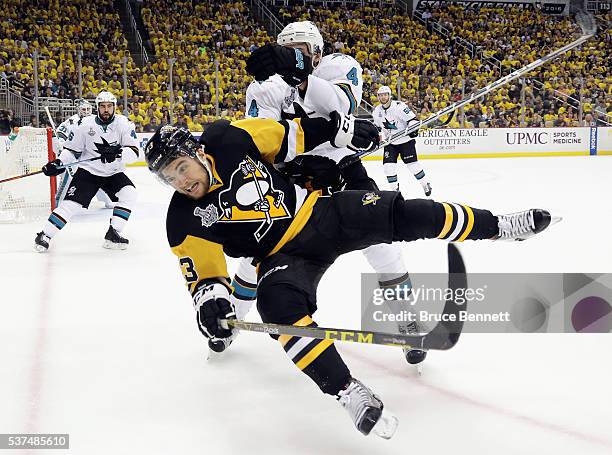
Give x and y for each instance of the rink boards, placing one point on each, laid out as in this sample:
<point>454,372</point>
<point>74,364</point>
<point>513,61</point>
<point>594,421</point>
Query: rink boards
<point>499,142</point>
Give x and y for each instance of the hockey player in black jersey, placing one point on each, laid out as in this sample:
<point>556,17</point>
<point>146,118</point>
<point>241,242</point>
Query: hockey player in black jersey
<point>230,199</point>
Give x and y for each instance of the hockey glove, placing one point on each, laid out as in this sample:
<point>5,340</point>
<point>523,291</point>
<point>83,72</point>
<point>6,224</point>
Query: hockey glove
<point>315,172</point>
<point>53,168</point>
<point>212,303</point>
<point>108,152</point>
<point>354,133</point>
<point>271,59</point>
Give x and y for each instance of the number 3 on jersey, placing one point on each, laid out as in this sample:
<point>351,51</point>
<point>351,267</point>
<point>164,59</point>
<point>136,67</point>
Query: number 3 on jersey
<point>191,276</point>
<point>352,76</point>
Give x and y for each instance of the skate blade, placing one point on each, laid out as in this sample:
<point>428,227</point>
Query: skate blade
<point>212,355</point>
<point>40,249</point>
<point>386,426</point>
<point>114,246</point>
<point>555,220</point>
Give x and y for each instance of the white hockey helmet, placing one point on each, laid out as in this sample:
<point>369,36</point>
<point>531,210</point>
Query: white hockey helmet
<point>384,89</point>
<point>302,32</point>
<point>84,109</point>
<point>106,97</point>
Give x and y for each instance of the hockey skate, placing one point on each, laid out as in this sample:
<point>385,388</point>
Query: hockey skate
<point>41,242</point>
<point>523,225</point>
<point>366,410</point>
<point>414,356</point>
<point>113,241</point>
<point>217,346</point>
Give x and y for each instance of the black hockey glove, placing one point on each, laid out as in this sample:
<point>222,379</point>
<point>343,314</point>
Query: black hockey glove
<point>315,173</point>
<point>271,59</point>
<point>108,152</point>
<point>212,304</point>
<point>53,168</point>
<point>354,133</point>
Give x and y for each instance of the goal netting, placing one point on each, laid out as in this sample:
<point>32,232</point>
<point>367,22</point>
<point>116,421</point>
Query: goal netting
<point>29,198</point>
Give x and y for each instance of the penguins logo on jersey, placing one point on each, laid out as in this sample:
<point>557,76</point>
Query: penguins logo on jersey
<point>370,198</point>
<point>251,197</point>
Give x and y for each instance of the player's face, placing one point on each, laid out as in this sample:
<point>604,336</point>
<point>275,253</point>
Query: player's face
<point>304,48</point>
<point>106,111</point>
<point>187,176</point>
<point>383,98</point>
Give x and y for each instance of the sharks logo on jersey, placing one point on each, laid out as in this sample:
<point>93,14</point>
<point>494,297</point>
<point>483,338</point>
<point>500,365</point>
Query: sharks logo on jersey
<point>251,197</point>
<point>389,125</point>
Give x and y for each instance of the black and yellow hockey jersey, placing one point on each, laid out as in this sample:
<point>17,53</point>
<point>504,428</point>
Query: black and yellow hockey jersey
<point>251,209</point>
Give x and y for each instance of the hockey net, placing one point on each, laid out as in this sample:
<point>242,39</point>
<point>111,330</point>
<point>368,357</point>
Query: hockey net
<point>33,197</point>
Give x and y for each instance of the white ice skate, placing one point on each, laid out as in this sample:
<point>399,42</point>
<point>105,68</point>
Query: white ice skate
<point>366,410</point>
<point>523,225</point>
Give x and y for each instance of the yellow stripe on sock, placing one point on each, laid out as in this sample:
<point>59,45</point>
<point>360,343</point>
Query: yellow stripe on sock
<point>314,353</point>
<point>448,221</point>
<point>470,223</point>
<point>304,322</point>
<point>284,339</point>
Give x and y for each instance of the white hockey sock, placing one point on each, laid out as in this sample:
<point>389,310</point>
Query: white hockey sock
<point>245,288</point>
<point>60,216</point>
<point>386,260</point>
<point>103,197</point>
<point>418,172</point>
<point>390,170</point>
<point>122,211</point>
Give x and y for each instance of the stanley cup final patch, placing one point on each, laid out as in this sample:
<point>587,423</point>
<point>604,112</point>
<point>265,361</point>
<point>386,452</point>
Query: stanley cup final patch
<point>370,198</point>
<point>208,216</point>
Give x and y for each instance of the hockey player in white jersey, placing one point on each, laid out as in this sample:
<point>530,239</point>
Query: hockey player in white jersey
<point>392,116</point>
<point>64,130</point>
<point>109,140</point>
<point>294,79</point>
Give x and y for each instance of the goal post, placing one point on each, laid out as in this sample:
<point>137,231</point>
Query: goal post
<point>30,198</point>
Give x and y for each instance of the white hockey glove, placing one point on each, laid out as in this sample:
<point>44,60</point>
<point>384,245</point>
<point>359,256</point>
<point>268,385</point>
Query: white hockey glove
<point>354,133</point>
<point>212,303</point>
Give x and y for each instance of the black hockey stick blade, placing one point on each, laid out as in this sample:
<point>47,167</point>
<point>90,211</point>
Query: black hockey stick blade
<point>445,333</point>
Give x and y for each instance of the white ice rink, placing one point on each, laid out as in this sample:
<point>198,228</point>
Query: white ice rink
<point>103,345</point>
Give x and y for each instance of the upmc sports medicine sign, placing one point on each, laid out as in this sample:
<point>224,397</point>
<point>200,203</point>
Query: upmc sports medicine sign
<point>507,142</point>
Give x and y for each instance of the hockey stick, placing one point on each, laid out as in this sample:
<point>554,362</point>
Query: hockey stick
<point>589,29</point>
<point>443,336</point>
<point>63,166</point>
<point>51,120</point>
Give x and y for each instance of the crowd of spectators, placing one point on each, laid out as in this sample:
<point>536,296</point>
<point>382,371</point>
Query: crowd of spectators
<point>196,33</point>
<point>58,30</point>
<point>517,36</point>
<point>392,48</point>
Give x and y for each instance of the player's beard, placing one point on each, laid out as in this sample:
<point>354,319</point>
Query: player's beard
<point>106,116</point>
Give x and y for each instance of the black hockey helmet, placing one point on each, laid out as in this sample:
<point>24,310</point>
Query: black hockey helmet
<point>167,144</point>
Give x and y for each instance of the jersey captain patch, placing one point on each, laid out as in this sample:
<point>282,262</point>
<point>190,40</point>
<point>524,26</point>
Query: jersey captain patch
<point>251,197</point>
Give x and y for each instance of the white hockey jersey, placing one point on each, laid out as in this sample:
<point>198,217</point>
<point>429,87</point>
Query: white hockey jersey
<point>396,118</point>
<point>66,127</point>
<point>336,84</point>
<point>89,132</point>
